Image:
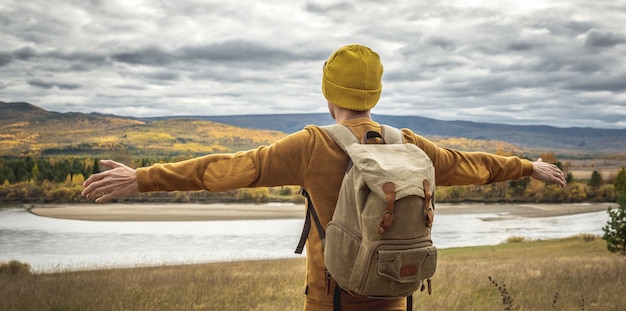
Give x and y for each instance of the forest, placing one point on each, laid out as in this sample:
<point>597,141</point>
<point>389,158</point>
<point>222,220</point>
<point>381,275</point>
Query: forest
<point>60,179</point>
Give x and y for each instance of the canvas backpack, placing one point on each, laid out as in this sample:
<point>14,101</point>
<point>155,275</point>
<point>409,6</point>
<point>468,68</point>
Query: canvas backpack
<point>378,242</point>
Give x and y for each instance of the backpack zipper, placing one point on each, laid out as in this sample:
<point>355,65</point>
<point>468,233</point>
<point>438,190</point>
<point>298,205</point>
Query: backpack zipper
<point>349,230</point>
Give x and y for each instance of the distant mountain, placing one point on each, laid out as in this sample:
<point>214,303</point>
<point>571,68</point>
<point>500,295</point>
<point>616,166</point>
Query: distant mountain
<point>15,111</point>
<point>541,137</point>
<point>27,129</point>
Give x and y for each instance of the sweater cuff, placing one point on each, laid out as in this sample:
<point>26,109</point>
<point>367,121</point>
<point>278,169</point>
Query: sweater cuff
<point>144,182</point>
<point>527,168</point>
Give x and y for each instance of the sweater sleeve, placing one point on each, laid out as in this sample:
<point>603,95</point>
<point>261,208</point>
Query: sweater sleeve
<point>453,167</point>
<point>282,163</point>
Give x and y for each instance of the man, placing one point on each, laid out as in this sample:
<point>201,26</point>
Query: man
<point>310,158</point>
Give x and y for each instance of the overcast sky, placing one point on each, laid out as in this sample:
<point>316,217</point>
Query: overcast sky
<point>560,63</point>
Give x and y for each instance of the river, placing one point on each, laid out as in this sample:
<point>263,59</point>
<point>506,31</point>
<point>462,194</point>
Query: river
<point>50,245</point>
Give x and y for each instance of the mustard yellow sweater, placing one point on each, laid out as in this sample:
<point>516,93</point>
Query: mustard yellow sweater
<point>311,159</point>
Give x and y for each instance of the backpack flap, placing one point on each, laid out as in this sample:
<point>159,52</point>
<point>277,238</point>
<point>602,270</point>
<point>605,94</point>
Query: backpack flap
<point>397,163</point>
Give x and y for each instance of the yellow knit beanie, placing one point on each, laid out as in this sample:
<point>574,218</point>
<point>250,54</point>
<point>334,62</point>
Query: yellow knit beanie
<point>352,78</point>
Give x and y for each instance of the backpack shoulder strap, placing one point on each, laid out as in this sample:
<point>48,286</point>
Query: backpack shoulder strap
<point>310,212</point>
<point>392,135</point>
<point>344,137</point>
<point>341,134</point>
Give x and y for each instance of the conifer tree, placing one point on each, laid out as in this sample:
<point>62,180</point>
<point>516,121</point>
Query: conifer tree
<point>620,183</point>
<point>595,180</point>
<point>615,228</point>
<point>96,166</point>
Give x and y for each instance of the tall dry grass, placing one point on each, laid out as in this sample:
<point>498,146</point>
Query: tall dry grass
<point>257,285</point>
<point>566,274</point>
<point>577,273</point>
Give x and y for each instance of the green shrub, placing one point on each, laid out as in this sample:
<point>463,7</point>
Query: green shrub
<point>516,239</point>
<point>14,267</point>
<point>588,237</point>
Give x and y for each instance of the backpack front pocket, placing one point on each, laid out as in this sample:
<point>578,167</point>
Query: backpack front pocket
<point>407,266</point>
<point>394,268</point>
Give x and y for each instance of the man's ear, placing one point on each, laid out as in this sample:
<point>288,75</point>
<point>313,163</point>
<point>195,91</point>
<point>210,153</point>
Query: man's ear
<point>331,109</point>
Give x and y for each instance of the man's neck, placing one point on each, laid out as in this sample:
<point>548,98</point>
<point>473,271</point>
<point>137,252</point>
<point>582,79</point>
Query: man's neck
<point>345,115</point>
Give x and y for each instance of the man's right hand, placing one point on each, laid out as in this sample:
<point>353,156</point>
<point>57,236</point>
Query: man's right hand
<point>118,182</point>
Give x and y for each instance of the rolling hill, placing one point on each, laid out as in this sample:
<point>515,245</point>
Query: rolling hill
<point>586,140</point>
<point>29,130</point>
<point>26,130</point>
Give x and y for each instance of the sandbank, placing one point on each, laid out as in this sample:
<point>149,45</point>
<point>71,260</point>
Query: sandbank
<point>240,211</point>
<point>523,209</point>
<point>169,211</point>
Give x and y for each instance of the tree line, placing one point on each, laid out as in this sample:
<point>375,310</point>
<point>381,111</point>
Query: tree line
<point>14,170</point>
<point>59,180</point>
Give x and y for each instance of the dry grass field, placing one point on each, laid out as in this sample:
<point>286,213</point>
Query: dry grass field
<point>566,274</point>
<point>608,169</point>
<point>563,274</point>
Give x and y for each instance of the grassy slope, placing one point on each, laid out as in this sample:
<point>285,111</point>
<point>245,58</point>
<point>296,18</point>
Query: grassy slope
<point>28,130</point>
<point>579,272</point>
<point>62,135</point>
<point>584,275</point>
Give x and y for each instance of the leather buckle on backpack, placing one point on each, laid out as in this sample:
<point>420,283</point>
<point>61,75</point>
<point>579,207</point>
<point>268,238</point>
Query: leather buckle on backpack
<point>390,197</point>
<point>386,222</point>
<point>430,213</point>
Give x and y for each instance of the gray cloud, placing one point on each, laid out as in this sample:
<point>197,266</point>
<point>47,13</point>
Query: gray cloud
<point>615,84</point>
<point>48,85</point>
<point>240,51</point>
<point>24,53</point>
<point>163,76</point>
<point>236,51</point>
<point>5,58</point>
<point>603,38</point>
<point>152,56</point>
<point>328,8</point>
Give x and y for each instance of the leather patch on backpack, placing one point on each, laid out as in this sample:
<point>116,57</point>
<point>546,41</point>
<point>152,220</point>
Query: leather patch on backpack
<point>408,270</point>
